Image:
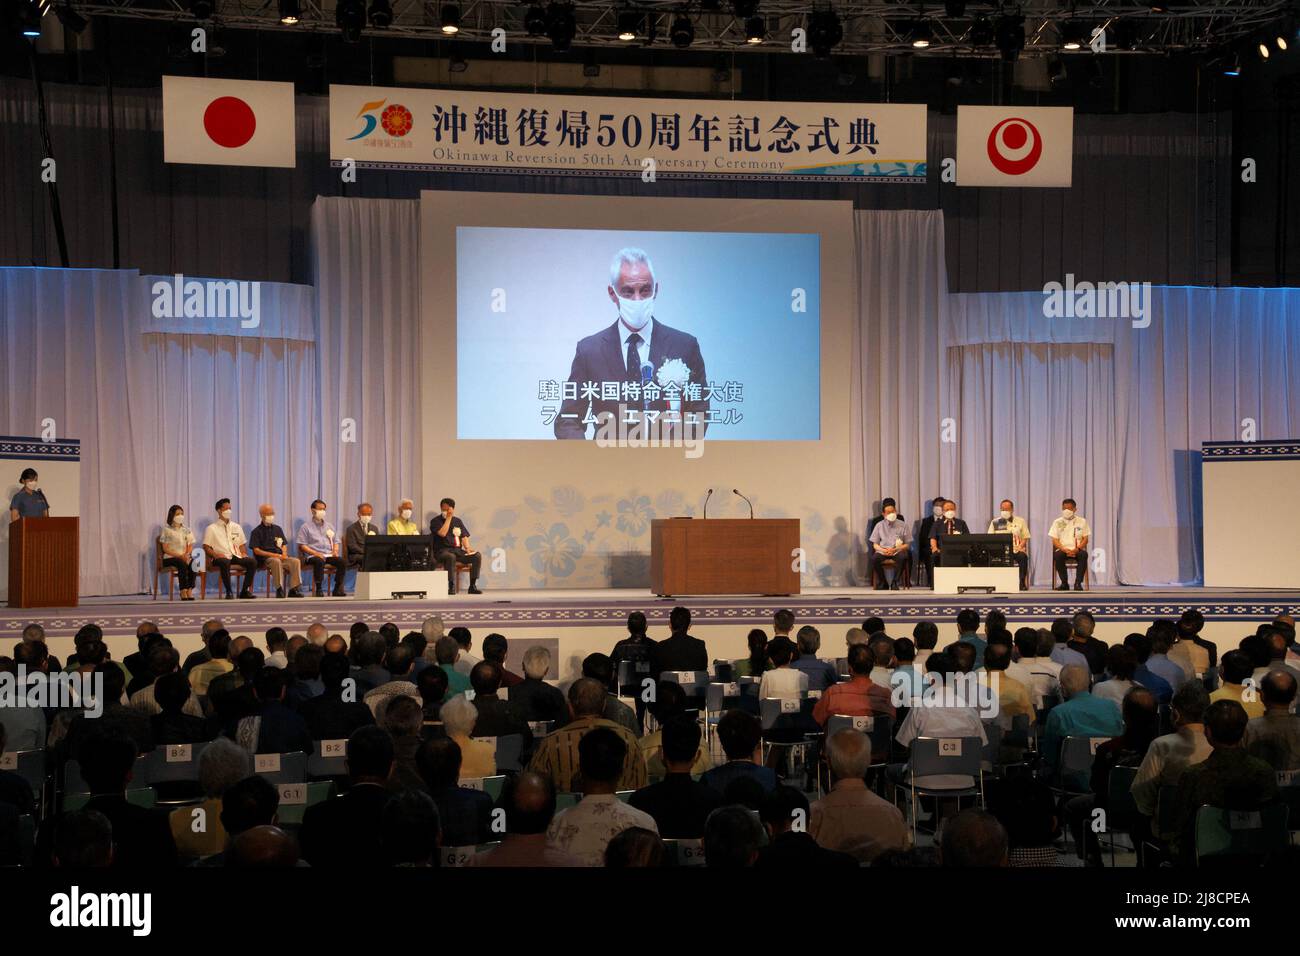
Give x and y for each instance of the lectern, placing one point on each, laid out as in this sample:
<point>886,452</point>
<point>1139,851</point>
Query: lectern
<point>44,562</point>
<point>724,556</point>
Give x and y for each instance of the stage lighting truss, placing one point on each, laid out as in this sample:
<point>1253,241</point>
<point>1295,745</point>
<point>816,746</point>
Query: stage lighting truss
<point>869,26</point>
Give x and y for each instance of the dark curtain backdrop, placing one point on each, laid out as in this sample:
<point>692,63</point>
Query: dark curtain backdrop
<point>1151,199</point>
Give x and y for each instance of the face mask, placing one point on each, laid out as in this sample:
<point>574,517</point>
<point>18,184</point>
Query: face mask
<point>938,512</point>
<point>318,514</point>
<point>891,517</point>
<point>364,519</point>
<point>635,312</point>
<point>1006,515</point>
<point>225,515</point>
<point>268,519</point>
<point>950,513</point>
<point>29,485</point>
<point>179,521</point>
<point>406,514</point>
<point>1067,514</point>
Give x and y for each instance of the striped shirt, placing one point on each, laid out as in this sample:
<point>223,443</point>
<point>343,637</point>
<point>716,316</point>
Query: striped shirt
<point>557,755</point>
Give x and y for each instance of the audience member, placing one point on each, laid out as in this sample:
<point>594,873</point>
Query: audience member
<point>679,804</point>
<point>585,829</point>
<point>851,818</point>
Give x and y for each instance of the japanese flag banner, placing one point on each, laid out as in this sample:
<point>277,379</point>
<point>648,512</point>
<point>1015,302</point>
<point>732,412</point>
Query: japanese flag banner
<point>1015,145</point>
<point>228,122</point>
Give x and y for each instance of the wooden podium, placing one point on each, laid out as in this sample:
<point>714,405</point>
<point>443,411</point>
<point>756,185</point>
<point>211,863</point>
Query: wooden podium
<point>724,556</point>
<point>44,561</point>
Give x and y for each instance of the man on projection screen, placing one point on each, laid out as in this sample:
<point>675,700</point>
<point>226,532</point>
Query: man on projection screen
<point>637,369</point>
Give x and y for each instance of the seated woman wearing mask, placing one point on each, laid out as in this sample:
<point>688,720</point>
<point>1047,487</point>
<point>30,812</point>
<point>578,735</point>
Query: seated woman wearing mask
<point>403,524</point>
<point>177,542</point>
<point>29,502</point>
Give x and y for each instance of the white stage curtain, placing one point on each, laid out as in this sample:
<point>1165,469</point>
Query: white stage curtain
<point>163,418</point>
<point>366,263</point>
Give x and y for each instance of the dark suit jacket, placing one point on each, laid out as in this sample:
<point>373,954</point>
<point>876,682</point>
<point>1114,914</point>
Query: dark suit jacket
<point>142,839</point>
<point>681,652</point>
<point>500,718</point>
<point>800,851</point>
<point>345,831</point>
<point>679,805</point>
<point>601,358</point>
<point>538,700</point>
<point>329,717</point>
<point>180,729</point>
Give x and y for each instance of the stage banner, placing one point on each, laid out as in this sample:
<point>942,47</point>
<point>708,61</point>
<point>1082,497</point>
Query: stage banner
<point>1015,145</point>
<point>455,130</point>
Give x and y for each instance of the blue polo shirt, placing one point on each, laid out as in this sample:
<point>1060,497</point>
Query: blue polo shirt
<point>29,505</point>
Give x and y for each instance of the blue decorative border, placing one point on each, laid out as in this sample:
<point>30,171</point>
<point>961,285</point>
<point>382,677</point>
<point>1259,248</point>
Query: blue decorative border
<point>918,178</point>
<point>64,449</point>
<point>1285,450</point>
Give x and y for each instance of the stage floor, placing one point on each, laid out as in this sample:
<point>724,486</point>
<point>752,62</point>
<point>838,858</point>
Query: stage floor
<point>499,610</point>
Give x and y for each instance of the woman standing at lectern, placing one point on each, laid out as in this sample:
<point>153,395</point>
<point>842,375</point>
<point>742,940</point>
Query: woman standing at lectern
<point>30,501</point>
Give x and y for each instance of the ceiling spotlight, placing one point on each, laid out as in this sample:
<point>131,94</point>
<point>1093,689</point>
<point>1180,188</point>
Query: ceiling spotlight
<point>1073,36</point>
<point>1280,40</point>
<point>535,21</point>
<point>755,30</point>
<point>457,63</point>
<point>981,32</point>
<point>682,32</point>
<point>28,15</point>
<point>954,8</point>
<point>449,19</point>
<point>824,32</point>
<point>350,16</point>
<point>629,21</point>
<point>561,25</point>
<point>1009,34</point>
<point>1232,67</point>
<point>1263,50</point>
<point>290,12</point>
<point>70,18</point>
<point>381,14</point>
<point>921,34</point>
<point>744,9</point>
<point>202,9</point>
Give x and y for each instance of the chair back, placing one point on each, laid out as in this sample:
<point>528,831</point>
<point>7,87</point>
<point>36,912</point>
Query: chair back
<point>297,796</point>
<point>329,759</point>
<point>684,853</point>
<point>774,712</point>
<point>492,786</point>
<point>1239,835</point>
<point>28,764</point>
<point>509,749</point>
<point>1121,810</point>
<point>145,797</point>
<point>26,839</point>
<point>1077,754</point>
<point>565,800</point>
<point>281,768</point>
<point>541,728</point>
<point>457,856</point>
<point>175,763</point>
<point>630,675</point>
<point>934,756</point>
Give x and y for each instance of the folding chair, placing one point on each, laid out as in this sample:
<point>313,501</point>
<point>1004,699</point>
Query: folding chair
<point>693,683</point>
<point>281,768</point>
<point>329,760</point>
<point>879,729</point>
<point>492,786</point>
<point>565,800</point>
<point>782,720</point>
<point>944,756</point>
<point>1121,810</point>
<point>719,697</point>
<point>684,853</point>
<point>455,857</point>
<point>1162,823</point>
<point>1077,754</point>
<point>296,797</point>
<point>26,839</point>
<point>509,750</point>
<point>28,764</point>
<point>1240,836</point>
<point>145,797</point>
<point>174,773</point>
<point>1288,792</point>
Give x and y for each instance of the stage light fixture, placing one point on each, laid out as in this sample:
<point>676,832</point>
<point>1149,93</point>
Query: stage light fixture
<point>381,14</point>
<point>350,17</point>
<point>561,25</point>
<point>755,30</point>
<point>682,32</point>
<point>27,16</point>
<point>1009,34</point>
<point>535,21</point>
<point>981,32</point>
<point>954,8</point>
<point>70,18</point>
<point>202,9</point>
<point>1280,42</point>
<point>629,21</point>
<point>1232,67</point>
<point>1074,36</point>
<point>449,19</point>
<point>824,32</point>
<point>290,12</point>
<point>921,35</point>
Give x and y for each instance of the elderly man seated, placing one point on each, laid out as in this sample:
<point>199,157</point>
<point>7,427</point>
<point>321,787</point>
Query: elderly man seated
<point>851,819</point>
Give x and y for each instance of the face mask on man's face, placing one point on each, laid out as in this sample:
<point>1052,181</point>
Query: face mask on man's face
<point>318,514</point>
<point>890,516</point>
<point>635,312</point>
<point>1067,513</point>
<point>268,519</point>
<point>364,519</point>
<point>225,515</point>
<point>950,514</point>
<point>1006,515</point>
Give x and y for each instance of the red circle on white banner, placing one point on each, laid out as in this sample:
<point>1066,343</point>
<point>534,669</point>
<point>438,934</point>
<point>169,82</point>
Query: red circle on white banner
<point>229,121</point>
<point>1015,146</point>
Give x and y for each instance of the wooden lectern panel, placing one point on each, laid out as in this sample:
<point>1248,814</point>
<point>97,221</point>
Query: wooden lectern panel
<point>44,562</point>
<point>724,556</point>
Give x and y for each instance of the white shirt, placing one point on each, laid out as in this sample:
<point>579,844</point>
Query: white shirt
<point>923,721</point>
<point>882,675</point>
<point>276,659</point>
<point>224,538</point>
<point>643,348</point>
<point>784,682</point>
<point>1166,759</point>
<point>1015,526</point>
<point>465,663</point>
<point>1070,532</point>
<point>1045,675</point>
<point>1018,671</point>
<point>1113,689</point>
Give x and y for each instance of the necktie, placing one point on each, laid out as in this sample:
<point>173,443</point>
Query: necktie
<point>633,358</point>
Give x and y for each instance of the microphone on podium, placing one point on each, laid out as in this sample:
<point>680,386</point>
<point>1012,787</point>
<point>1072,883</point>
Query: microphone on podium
<point>706,502</point>
<point>747,501</point>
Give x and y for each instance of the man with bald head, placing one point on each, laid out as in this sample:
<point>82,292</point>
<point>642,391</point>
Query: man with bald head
<point>317,633</point>
<point>271,550</point>
<point>336,644</point>
<point>203,654</point>
<point>1080,715</point>
<point>231,680</point>
<point>851,818</point>
<point>529,801</point>
<point>1275,737</point>
<point>264,847</point>
<point>557,752</point>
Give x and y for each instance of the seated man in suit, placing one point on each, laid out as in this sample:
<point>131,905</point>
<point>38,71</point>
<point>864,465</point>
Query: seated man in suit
<point>680,652</point>
<point>923,535</point>
<point>354,538</point>
<point>890,541</point>
<point>949,524</point>
<point>633,353</point>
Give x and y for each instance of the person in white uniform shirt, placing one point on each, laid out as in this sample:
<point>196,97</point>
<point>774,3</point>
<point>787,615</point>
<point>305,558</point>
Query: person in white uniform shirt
<point>224,544</point>
<point>939,719</point>
<point>1121,663</point>
<point>1008,522</point>
<point>782,681</point>
<point>1069,534</point>
<point>177,541</point>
